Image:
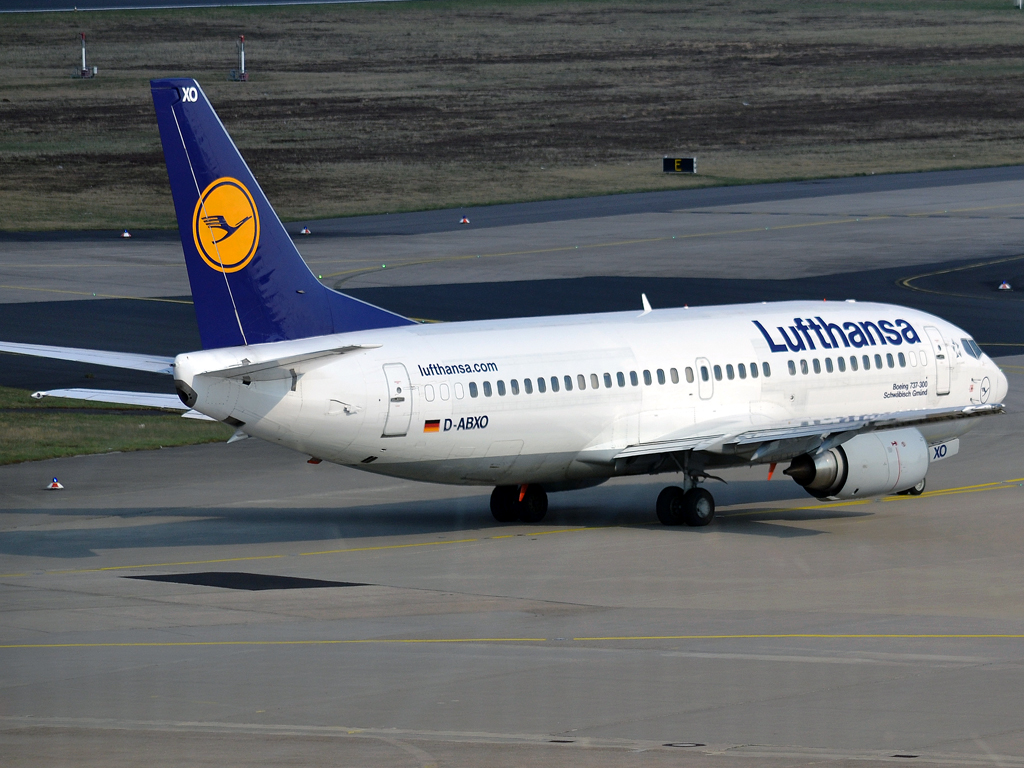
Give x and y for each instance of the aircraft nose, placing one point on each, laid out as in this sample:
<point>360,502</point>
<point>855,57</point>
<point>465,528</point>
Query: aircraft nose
<point>1000,385</point>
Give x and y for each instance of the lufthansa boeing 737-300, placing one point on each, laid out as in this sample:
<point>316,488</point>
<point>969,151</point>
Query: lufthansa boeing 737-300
<point>858,398</point>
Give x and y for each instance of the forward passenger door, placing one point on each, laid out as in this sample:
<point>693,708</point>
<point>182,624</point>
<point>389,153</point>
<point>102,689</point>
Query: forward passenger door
<point>942,361</point>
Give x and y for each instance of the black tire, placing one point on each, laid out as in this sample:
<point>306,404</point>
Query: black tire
<point>917,490</point>
<point>534,505</point>
<point>698,507</point>
<point>670,505</point>
<point>504,503</point>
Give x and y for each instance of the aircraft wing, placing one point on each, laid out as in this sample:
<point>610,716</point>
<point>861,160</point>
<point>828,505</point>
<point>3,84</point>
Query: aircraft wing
<point>150,363</point>
<point>782,441</point>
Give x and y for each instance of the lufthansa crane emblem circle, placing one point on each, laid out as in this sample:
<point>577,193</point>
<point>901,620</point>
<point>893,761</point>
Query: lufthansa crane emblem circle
<point>226,225</point>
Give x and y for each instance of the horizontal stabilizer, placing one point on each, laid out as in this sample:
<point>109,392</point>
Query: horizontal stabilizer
<point>150,399</point>
<point>151,363</point>
<point>118,397</point>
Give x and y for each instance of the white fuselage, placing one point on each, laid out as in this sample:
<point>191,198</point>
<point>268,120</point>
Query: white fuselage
<point>464,403</point>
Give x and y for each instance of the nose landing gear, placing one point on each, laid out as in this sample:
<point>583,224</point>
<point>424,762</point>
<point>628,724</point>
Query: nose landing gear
<point>695,507</point>
<point>522,503</point>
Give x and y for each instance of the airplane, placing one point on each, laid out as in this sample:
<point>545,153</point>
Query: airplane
<point>858,398</point>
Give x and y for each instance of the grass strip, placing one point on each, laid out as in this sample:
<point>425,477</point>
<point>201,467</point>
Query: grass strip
<point>372,108</point>
<point>32,430</point>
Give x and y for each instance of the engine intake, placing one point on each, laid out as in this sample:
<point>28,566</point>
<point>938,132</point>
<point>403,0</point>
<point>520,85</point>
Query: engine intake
<point>874,464</point>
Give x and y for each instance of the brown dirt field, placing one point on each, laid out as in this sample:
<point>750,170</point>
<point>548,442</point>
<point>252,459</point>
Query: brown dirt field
<point>371,108</point>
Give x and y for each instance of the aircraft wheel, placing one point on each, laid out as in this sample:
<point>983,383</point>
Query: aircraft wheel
<point>505,503</point>
<point>698,507</point>
<point>534,505</point>
<point>917,490</point>
<point>670,505</point>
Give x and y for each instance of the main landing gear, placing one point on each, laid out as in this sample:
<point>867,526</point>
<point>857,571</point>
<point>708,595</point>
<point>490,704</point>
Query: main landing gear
<point>519,503</point>
<point>694,507</point>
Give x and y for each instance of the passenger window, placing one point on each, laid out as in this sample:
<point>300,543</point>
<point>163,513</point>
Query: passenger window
<point>878,361</point>
<point>608,381</point>
<point>581,381</point>
<point>620,379</point>
<point>554,383</point>
<point>428,393</point>
<point>853,362</point>
<point>792,368</point>
<point>704,373</point>
<point>472,389</point>
<point>514,385</point>
<point>730,372</point>
<point>753,370</point>
<point>866,362</point>
<point>689,375</point>
<point>718,372</point>
<point>647,378</point>
<point>633,379</point>
<point>459,392</point>
<point>889,360</point>
<point>501,388</point>
<point>828,365</point>
<point>766,370</point>
<point>803,367</point>
<point>541,385</point>
<point>913,359</point>
<point>661,376</point>
<point>595,383</point>
<point>817,365</point>
<point>903,360</point>
<point>842,364</point>
<point>674,375</point>
<point>528,386</point>
<point>445,392</point>
<point>487,389</point>
<point>924,357</point>
<point>741,369</point>
<point>568,383</point>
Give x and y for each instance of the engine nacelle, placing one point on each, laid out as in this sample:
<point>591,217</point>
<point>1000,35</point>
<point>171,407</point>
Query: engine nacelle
<point>874,464</point>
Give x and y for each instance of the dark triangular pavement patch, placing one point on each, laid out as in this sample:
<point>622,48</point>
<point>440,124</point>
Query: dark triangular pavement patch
<point>250,581</point>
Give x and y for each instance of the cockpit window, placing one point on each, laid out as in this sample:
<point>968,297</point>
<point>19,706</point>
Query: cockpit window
<point>971,348</point>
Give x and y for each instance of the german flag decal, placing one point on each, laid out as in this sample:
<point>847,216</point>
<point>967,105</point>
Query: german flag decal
<point>432,426</point>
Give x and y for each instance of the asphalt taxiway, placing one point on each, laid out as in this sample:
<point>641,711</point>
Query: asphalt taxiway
<point>790,632</point>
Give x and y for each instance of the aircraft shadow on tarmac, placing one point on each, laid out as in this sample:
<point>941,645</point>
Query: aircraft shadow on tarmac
<point>606,506</point>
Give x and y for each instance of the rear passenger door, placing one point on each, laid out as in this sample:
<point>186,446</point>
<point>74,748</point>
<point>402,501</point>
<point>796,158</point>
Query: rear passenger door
<point>399,400</point>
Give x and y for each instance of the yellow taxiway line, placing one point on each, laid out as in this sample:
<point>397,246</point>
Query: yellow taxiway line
<point>95,295</point>
<point>560,641</point>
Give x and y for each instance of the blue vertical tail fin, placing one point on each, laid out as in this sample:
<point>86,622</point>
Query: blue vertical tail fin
<point>249,283</point>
